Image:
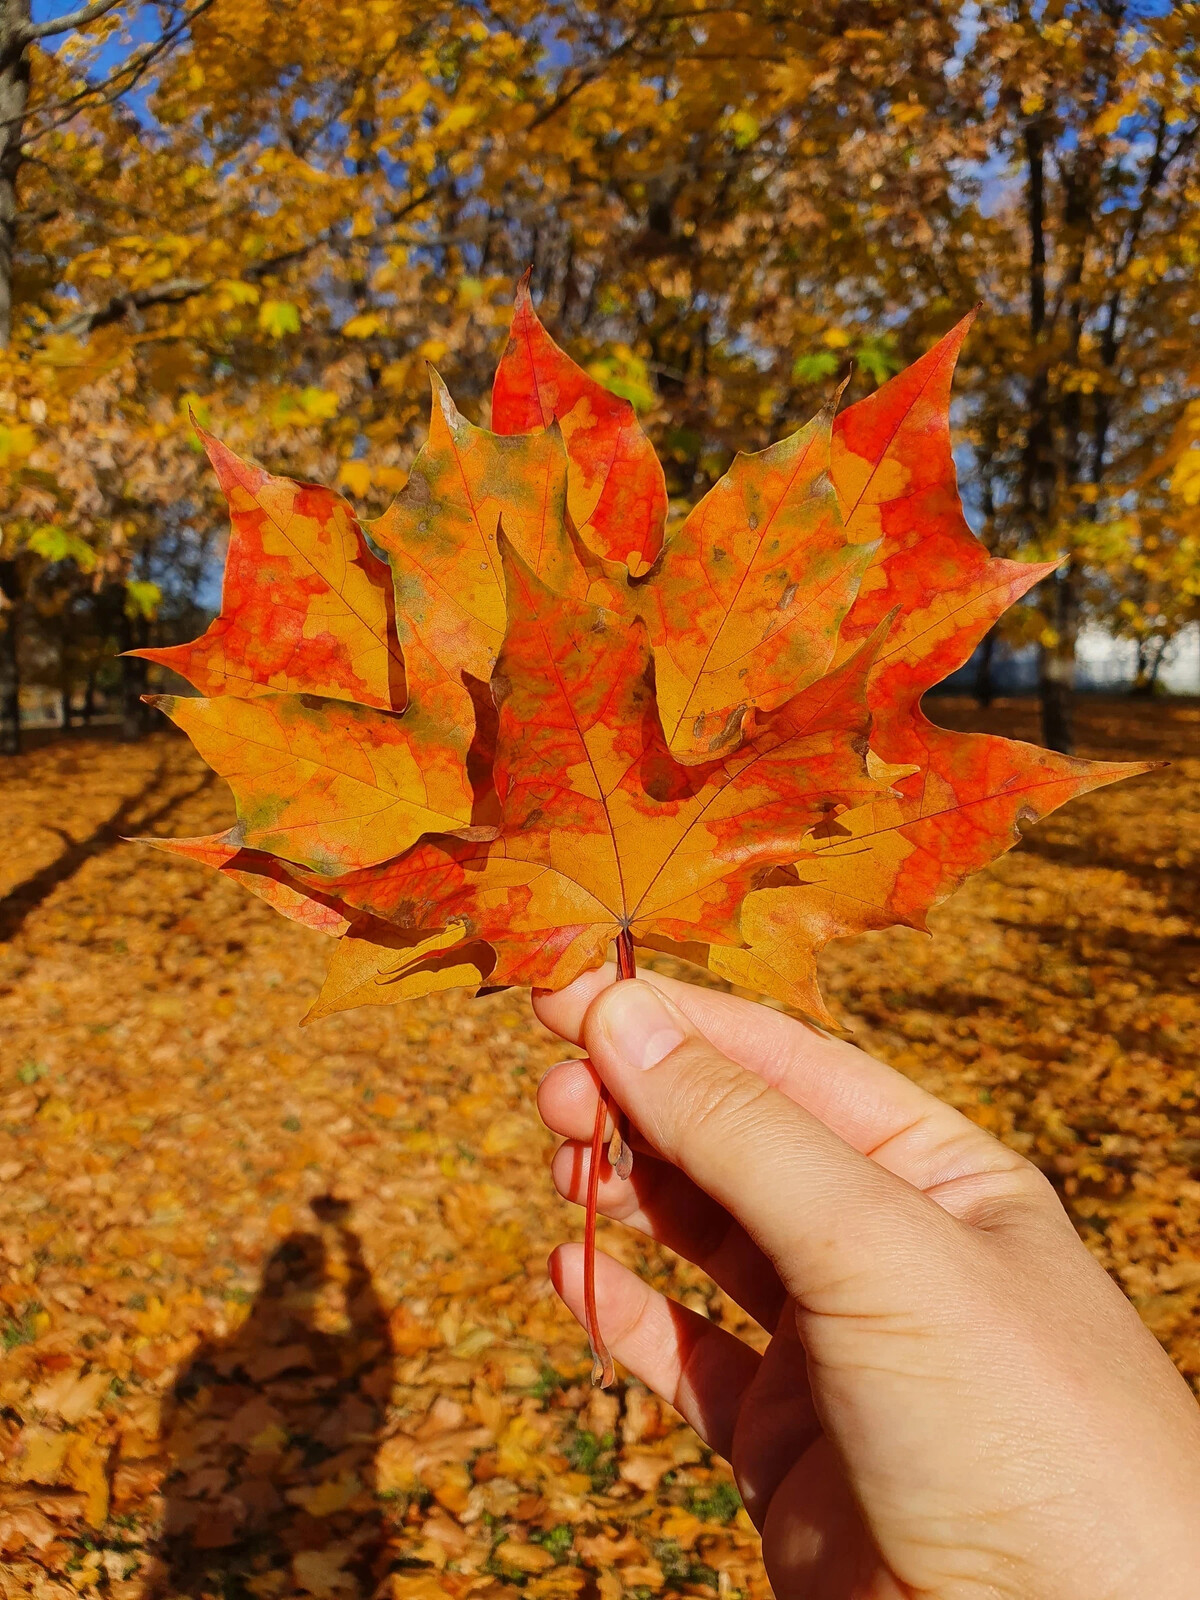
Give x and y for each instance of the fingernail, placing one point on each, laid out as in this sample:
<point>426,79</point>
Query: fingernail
<point>639,1024</point>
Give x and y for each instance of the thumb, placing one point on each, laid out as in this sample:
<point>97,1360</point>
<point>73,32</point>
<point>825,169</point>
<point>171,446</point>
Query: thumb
<point>845,1235</point>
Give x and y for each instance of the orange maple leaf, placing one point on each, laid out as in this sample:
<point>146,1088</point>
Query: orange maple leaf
<point>617,494</point>
<point>712,746</point>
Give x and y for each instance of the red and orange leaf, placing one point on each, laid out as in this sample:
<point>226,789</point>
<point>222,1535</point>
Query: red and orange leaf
<point>325,784</point>
<point>440,535</point>
<point>264,876</point>
<point>540,926</point>
<point>378,965</point>
<point>891,861</point>
<point>727,759</point>
<point>593,801</point>
<point>964,803</point>
<point>893,473</point>
<point>751,592</point>
<point>616,494</point>
<point>762,766</point>
<point>306,606</point>
<point>962,806</point>
<point>589,787</point>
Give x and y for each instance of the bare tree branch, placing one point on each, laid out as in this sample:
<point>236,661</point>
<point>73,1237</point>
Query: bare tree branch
<point>174,291</point>
<point>171,292</point>
<point>124,77</point>
<point>73,19</point>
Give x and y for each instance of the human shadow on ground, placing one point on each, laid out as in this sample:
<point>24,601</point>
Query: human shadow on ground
<point>273,1433</point>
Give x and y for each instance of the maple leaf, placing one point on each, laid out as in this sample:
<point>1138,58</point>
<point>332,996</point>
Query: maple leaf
<point>305,606</point>
<point>604,831</point>
<point>751,591</point>
<point>960,799</point>
<point>327,784</point>
<point>263,875</point>
<point>440,535</point>
<point>617,494</point>
<point>715,749</point>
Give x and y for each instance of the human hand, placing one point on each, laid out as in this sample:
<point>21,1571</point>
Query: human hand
<point>957,1402</point>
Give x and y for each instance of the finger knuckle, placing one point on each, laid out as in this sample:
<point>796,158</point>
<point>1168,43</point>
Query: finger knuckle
<point>713,1095</point>
<point>1031,1185</point>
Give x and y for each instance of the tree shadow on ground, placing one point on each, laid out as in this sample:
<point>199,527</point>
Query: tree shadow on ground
<point>25,897</point>
<point>1178,889</point>
<point>273,1433</point>
<point>1173,960</point>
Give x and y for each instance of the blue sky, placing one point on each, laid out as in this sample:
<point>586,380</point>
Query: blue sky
<point>145,27</point>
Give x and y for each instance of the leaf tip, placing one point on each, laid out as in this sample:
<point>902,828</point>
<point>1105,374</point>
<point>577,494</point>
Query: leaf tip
<point>831,405</point>
<point>229,466</point>
<point>514,564</point>
<point>443,399</point>
<point>953,341</point>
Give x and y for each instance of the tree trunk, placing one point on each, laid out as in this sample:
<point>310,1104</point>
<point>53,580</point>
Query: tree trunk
<point>10,660</point>
<point>14,95</point>
<point>134,720</point>
<point>1140,685</point>
<point>1056,674</point>
<point>1039,472</point>
<point>10,693</point>
<point>985,688</point>
<point>89,700</point>
<point>1149,660</point>
<point>1156,664</point>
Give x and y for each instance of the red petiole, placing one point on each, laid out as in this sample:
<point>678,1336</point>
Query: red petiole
<point>621,1160</point>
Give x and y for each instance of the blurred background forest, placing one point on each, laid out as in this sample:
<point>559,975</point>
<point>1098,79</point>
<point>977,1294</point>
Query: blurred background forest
<point>272,213</point>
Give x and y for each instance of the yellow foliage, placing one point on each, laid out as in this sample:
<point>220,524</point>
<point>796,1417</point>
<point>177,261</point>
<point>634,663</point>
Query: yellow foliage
<point>362,327</point>
<point>356,475</point>
<point>279,317</point>
<point>1185,479</point>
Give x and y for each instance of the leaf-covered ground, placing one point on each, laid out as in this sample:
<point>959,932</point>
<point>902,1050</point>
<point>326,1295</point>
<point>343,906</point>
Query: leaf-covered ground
<point>274,1312</point>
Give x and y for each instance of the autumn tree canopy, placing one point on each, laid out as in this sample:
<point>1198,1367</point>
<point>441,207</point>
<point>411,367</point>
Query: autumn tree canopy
<point>275,226</point>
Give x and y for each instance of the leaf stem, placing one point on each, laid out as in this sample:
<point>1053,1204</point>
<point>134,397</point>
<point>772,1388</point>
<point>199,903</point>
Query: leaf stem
<point>619,1152</point>
<point>603,1372</point>
<point>621,1159</point>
